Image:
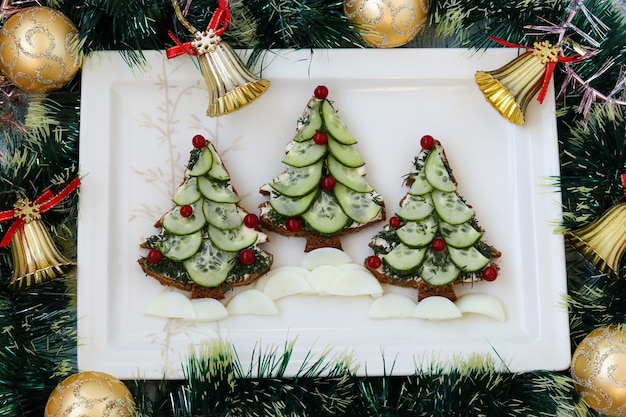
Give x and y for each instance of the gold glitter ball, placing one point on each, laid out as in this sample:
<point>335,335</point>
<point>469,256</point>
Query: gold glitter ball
<point>90,394</point>
<point>599,370</point>
<point>39,49</point>
<point>387,23</point>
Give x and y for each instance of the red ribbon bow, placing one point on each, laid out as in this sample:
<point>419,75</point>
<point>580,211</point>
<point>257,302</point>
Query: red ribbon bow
<point>218,24</point>
<point>547,75</point>
<point>45,201</point>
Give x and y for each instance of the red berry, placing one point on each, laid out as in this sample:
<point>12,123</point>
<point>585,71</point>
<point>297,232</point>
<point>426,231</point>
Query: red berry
<point>395,222</point>
<point>374,262</point>
<point>251,220</point>
<point>293,225</point>
<point>321,92</point>
<point>198,141</point>
<point>490,273</point>
<point>328,183</point>
<point>320,138</point>
<point>247,256</point>
<point>427,142</point>
<point>186,210</point>
<point>155,256</point>
<point>438,244</point>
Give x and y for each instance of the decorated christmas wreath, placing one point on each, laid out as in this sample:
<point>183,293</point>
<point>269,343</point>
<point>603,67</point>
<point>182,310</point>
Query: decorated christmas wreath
<point>582,47</point>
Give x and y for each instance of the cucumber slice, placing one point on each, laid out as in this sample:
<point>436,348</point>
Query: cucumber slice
<point>217,171</point>
<point>188,192</point>
<point>438,270</point>
<point>296,182</point>
<point>202,164</point>
<point>415,208</point>
<point>459,235</point>
<point>404,258</point>
<point>310,122</point>
<point>178,248</point>
<point>210,266</point>
<point>451,208</point>
<point>346,154</point>
<point>176,224</point>
<point>335,125</point>
<point>468,259</point>
<point>304,153</point>
<point>292,206</point>
<point>350,177</point>
<point>217,191</point>
<point>420,184</point>
<point>360,207</point>
<point>225,216</point>
<point>233,240</point>
<point>418,234</point>
<point>437,173</point>
<point>325,215</point>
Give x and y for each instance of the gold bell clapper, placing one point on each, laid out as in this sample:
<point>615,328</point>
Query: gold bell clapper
<point>510,88</point>
<point>230,83</point>
<point>36,259</point>
<point>603,241</point>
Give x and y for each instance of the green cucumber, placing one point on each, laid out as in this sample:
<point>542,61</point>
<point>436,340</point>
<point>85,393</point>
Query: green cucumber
<point>203,164</point>
<point>439,270</point>
<point>350,177</point>
<point>335,125</point>
<point>468,259</point>
<point>210,266</point>
<point>303,154</point>
<point>217,191</point>
<point>178,248</point>
<point>296,182</point>
<point>420,184</point>
<point>418,234</point>
<point>404,258</point>
<point>177,224</point>
<point>310,122</point>
<point>292,206</point>
<point>436,172</point>
<point>217,171</point>
<point>451,208</point>
<point>325,215</point>
<point>233,240</point>
<point>360,207</point>
<point>415,208</point>
<point>225,216</point>
<point>346,154</point>
<point>459,235</point>
<point>188,192</point>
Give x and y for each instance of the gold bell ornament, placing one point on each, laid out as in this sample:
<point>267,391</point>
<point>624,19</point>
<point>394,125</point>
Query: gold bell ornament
<point>510,88</point>
<point>230,83</point>
<point>36,259</point>
<point>603,241</point>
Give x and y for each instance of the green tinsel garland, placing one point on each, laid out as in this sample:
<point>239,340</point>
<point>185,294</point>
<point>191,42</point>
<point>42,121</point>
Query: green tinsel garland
<point>38,326</point>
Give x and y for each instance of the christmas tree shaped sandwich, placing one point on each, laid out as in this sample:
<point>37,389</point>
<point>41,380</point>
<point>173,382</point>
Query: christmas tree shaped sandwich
<point>434,240</point>
<point>208,243</point>
<point>323,193</point>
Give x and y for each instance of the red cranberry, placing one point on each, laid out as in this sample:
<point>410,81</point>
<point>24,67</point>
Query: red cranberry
<point>438,244</point>
<point>328,183</point>
<point>247,256</point>
<point>395,222</point>
<point>321,92</point>
<point>427,142</point>
<point>186,210</point>
<point>199,141</point>
<point>490,273</point>
<point>251,220</point>
<point>155,256</point>
<point>320,138</point>
<point>293,225</point>
<point>374,262</point>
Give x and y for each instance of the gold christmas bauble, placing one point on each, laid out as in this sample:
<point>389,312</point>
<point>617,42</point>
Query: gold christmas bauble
<point>90,394</point>
<point>39,49</point>
<point>599,370</point>
<point>387,23</point>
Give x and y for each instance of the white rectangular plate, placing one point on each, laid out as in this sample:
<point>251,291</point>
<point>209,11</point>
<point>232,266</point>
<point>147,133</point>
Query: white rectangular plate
<point>136,130</point>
